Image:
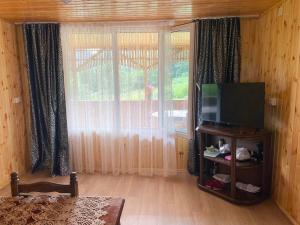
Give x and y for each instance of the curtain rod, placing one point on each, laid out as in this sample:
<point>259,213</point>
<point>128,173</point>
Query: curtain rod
<point>100,21</point>
<point>35,22</point>
<point>140,21</point>
<point>215,17</point>
<point>220,17</point>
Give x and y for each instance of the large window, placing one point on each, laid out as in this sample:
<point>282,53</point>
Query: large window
<point>123,69</point>
<point>125,85</point>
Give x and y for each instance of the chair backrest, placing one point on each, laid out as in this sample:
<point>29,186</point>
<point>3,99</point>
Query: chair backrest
<point>18,189</point>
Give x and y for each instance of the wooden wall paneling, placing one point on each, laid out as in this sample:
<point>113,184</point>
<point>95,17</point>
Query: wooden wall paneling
<point>250,56</point>
<point>12,130</point>
<point>4,153</point>
<point>293,200</point>
<point>105,10</point>
<point>285,43</point>
<point>25,88</point>
<point>271,53</point>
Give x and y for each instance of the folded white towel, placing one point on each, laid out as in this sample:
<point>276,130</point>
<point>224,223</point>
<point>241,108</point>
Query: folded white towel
<point>247,187</point>
<point>225,178</point>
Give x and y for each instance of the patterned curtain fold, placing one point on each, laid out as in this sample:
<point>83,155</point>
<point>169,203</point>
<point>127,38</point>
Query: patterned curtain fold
<point>216,60</point>
<point>48,111</point>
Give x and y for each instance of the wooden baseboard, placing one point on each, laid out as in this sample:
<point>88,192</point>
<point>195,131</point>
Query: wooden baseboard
<point>293,221</point>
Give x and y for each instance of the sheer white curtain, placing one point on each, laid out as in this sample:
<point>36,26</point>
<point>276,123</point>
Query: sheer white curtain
<point>119,98</point>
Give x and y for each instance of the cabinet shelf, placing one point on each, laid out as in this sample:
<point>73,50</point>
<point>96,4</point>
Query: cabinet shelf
<point>241,197</point>
<point>233,132</point>
<point>243,165</point>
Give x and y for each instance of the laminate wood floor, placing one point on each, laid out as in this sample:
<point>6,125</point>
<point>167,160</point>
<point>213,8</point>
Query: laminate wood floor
<point>168,201</point>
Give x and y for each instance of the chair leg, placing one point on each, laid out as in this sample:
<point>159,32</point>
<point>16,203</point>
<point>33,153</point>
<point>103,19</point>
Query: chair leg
<point>14,184</point>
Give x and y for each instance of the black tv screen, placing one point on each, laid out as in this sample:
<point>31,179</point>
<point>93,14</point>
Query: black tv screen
<point>239,104</point>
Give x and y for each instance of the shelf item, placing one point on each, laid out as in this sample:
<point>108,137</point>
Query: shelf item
<point>214,184</point>
<point>242,154</point>
<point>211,154</point>
<point>228,157</point>
<point>256,172</point>
<point>211,151</point>
<point>224,149</point>
<point>248,187</point>
<point>225,178</point>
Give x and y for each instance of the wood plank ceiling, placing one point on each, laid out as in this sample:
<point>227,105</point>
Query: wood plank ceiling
<point>117,10</point>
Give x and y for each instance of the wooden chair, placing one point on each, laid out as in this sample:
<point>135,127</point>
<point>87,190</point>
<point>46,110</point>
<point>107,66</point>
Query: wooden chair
<point>18,189</point>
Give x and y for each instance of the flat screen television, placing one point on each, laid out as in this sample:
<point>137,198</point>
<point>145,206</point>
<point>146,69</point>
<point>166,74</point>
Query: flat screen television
<point>240,104</point>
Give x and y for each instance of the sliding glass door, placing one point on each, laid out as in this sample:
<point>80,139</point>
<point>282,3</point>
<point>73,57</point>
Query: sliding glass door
<point>126,93</point>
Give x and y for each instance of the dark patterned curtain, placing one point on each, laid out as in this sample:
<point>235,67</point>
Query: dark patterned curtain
<point>216,60</point>
<point>48,110</point>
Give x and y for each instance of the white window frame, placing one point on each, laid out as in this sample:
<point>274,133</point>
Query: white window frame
<point>190,118</point>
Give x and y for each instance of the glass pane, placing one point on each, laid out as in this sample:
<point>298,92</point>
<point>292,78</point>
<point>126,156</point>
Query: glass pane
<point>180,42</point>
<point>94,69</point>
<point>138,73</point>
<point>138,65</point>
<point>95,82</point>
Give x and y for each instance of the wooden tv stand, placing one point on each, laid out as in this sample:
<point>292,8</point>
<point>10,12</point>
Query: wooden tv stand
<point>258,173</point>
